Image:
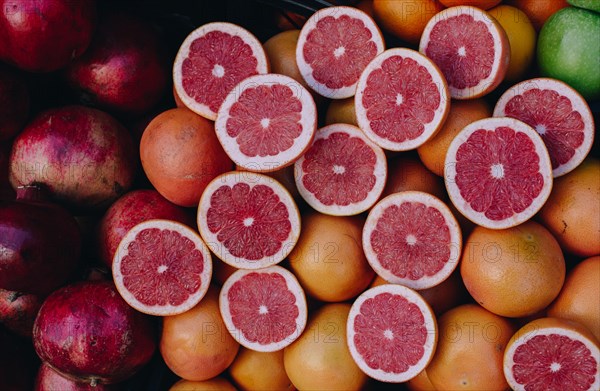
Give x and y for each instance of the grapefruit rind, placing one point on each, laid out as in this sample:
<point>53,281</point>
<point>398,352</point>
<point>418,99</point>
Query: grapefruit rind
<point>184,52</point>
<point>548,326</point>
<point>462,205</point>
<point>430,342</point>
<point>306,69</point>
<point>379,171</point>
<point>501,50</point>
<point>431,128</point>
<point>293,286</point>
<point>308,120</point>
<point>251,179</point>
<point>429,201</point>
<point>578,103</point>
<point>162,310</point>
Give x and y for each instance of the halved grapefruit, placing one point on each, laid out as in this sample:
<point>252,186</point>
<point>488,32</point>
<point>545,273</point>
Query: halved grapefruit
<point>401,99</point>
<point>392,333</point>
<point>471,49</point>
<point>212,60</point>
<point>265,309</point>
<point>266,122</point>
<point>248,220</point>
<point>342,173</point>
<point>552,354</point>
<point>334,47</point>
<point>412,238</point>
<point>162,267</point>
<point>497,172</point>
<point>558,113</point>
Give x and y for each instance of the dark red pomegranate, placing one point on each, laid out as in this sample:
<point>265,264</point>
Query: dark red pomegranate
<point>124,69</point>
<point>44,35</point>
<point>18,311</point>
<point>87,332</point>
<point>40,243</point>
<point>131,209</point>
<point>50,380</point>
<point>14,104</point>
<point>84,156</point>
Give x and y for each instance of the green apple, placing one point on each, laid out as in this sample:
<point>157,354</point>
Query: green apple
<point>593,5</point>
<point>569,49</point>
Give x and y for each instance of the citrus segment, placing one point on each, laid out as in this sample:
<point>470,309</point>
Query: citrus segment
<point>412,238</point>
<point>558,113</point>
<point>264,310</point>
<point>342,173</point>
<point>552,354</point>
<point>401,99</point>
<point>391,333</point>
<point>334,47</point>
<point>471,49</point>
<point>162,268</point>
<point>498,172</point>
<point>211,61</point>
<point>248,220</point>
<point>266,122</point>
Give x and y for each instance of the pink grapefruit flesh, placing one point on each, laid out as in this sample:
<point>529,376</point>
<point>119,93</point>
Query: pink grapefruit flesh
<point>552,359</point>
<point>343,173</point>
<point>212,60</point>
<point>471,49</point>
<point>558,113</point>
<point>162,267</point>
<point>334,47</point>
<point>248,220</point>
<point>401,99</point>
<point>498,172</point>
<point>266,122</point>
<point>264,310</point>
<point>392,333</point>
<point>412,238</point>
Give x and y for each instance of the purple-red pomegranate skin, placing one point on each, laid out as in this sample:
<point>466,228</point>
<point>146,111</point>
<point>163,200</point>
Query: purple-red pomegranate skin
<point>14,104</point>
<point>18,311</point>
<point>124,69</point>
<point>83,156</point>
<point>40,244</point>
<point>87,332</point>
<point>131,209</point>
<point>45,35</point>
<point>50,380</point>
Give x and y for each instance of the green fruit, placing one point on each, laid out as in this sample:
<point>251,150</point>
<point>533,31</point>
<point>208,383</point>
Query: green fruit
<point>593,5</point>
<point>568,50</point>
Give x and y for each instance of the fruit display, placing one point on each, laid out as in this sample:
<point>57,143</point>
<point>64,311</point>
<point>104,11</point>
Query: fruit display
<point>299,195</point>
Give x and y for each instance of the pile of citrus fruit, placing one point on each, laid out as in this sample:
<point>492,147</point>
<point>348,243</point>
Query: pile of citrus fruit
<point>375,194</point>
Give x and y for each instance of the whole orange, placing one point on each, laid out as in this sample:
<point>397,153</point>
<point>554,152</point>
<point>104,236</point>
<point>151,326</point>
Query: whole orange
<point>409,174</point>
<point>461,114</point>
<point>572,212</point>
<point>320,358</point>
<point>538,11</point>
<point>341,111</point>
<point>181,154</point>
<point>196,344</point>
<point>214,384</point>
<point>579,299</point>
<point>252,370</point>
<point>470,350</point>
<point>405,19</point>
<point>483,4</point>
<point>328,258</point>
<point>513,272</point>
